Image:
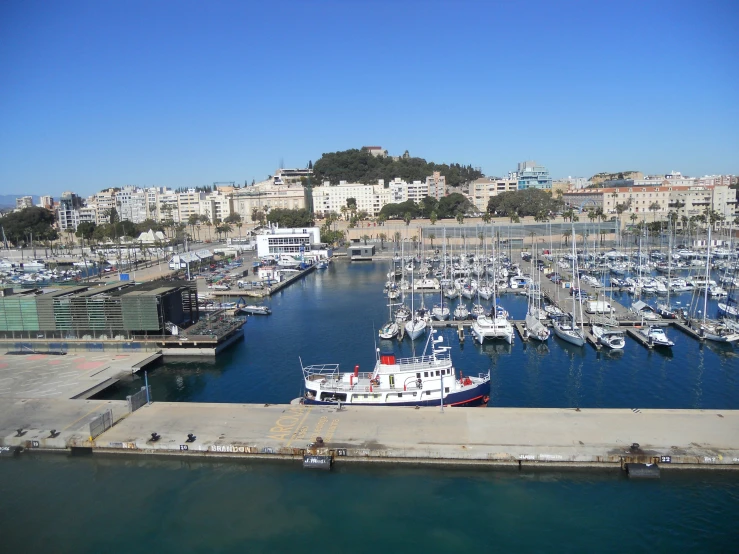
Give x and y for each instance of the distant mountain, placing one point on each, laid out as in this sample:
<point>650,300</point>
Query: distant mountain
<point>8,200</point>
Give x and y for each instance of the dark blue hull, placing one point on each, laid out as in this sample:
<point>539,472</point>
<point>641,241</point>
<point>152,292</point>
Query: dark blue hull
<point>474,396</point>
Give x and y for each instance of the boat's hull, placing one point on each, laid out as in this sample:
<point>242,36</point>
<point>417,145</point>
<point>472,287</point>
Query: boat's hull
<point>568,336</point>
<point>471,396</point>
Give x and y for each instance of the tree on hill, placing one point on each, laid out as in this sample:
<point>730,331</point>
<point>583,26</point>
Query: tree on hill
<point>19,226</point>
<point>454,204</point>
<point>525,202</point>
<point>359,166</point>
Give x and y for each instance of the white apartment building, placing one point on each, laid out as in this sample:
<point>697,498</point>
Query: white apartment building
<point>168,206</point>
<point>188,204</point>
<point>400,191</point>
<point>67,212</point>
<point>131,203</point>
<point>104,201</point>
<point>481,190</point>
<point>216,206</point>
<point>88,214</point>
<point>330,199</point>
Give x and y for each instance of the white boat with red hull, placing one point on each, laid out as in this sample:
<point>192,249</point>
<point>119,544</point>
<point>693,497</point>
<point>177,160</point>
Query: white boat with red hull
<point>427,380</point>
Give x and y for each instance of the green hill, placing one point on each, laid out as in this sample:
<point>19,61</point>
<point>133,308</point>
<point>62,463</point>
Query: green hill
<point>359,166</point>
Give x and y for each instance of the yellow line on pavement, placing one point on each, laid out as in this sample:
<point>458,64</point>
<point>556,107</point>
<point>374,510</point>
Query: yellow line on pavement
<point>297,429</point>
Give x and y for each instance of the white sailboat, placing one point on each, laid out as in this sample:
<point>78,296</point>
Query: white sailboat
<point>494,326</point>
<point>440,311</point>
<point>710,329</point>
<point>391,328</point>
<point>565,326</point>
<point>416,325</point>
<point>534,327</point>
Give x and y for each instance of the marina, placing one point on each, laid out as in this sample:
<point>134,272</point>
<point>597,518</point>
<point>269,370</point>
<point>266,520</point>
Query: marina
<point>536,389</point>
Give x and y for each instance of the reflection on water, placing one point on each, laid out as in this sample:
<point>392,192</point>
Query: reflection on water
<point>494,348</point>
<point>108,504</point>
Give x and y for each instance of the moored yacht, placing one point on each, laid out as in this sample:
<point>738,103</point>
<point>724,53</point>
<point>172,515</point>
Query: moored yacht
<point>655,336</point>
<point>487,327</point>
<point>566,329</point>
<point>609,337</point>
<point>427,380</point>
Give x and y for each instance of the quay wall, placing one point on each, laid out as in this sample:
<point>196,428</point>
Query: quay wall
<point>477,436</point>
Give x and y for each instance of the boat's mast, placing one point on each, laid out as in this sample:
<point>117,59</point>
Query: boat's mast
<point>574,273</point>
<point>708,271</point>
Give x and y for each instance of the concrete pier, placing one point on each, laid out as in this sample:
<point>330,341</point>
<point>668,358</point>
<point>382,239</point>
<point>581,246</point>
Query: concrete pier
<point>74,375</point>
<point>485,436</point>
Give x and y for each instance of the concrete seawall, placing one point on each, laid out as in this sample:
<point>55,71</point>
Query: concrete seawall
<point>483,436</point>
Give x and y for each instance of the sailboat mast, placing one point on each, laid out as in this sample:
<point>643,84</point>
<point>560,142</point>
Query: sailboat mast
<point>708,271</point>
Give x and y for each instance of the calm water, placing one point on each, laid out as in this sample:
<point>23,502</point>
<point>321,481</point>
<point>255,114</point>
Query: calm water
<point>60,504</point>
<point>332,315</point>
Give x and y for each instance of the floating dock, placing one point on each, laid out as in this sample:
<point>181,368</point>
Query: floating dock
<point>520,327</point>
<point>687,330</point>
<point>481,436</point>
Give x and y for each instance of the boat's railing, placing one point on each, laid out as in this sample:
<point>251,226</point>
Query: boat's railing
<point>423,361</point>
<point>323,370</point>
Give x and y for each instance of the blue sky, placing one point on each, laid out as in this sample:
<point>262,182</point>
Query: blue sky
<point>184,93</point>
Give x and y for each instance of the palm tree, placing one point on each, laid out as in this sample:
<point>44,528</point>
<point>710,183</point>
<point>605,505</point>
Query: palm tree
<point>432,236</point>
<point>633,217</point>
<point>433,218</point>
<point>654,207</point>
<point>567,233</point>
<point>460,218</point>
<point>192,221</point>
<point>365,238</point>
<point>383,238</point>
<point>396,236</point>
<point>205,220</point>
<point>487,217</point>
<point>407,218</point>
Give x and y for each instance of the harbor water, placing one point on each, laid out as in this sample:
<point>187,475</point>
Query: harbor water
<point>57,504</point>
<point>332,316</point>
<point>115,504</point>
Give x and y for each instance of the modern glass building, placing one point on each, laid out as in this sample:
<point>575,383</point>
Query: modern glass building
<point>535,176</point>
